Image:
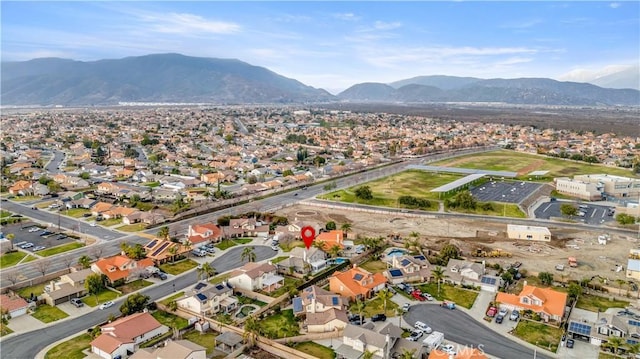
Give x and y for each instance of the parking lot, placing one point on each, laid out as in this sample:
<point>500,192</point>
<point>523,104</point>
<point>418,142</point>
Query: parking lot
<point>593,214</point>
<point>30,232</point>
<point>509,192</point>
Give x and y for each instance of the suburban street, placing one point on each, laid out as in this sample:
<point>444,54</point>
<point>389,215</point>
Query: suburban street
<point>27,345</point>
<point>461,328</point>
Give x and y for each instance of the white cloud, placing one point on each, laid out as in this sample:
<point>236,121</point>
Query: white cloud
<point>381,25</point>
<point>591,74</point>
<point>346,16</point>
<point>185,24</point>
<point>615,5</point>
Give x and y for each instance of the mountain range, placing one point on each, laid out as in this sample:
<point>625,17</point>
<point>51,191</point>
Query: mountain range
<point>179,78</point>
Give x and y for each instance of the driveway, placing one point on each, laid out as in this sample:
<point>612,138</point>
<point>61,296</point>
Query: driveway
<point>461,328</point>
<point>24,323</point>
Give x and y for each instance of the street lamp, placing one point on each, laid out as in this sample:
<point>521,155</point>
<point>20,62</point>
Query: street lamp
<point>504,207</point>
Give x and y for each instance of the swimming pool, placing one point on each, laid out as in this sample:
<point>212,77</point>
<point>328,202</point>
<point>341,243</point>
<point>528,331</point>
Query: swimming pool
<point>337,260</point>
<point>396,252</point>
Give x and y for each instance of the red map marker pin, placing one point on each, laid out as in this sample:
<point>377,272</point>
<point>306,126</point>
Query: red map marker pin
<point>308,234</point>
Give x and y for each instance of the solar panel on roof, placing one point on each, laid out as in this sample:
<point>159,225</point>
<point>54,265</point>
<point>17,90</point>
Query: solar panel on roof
<point>297,305</point>
<point>358,276</point>
<point>422,258</point>
<point>201,297</point>
<point>580,328</point>
<point>395,273</point>
<point>200,286</point>
<point>405,262</point>
<point>219,287</point>
<point>334,300</point>
<point>162,247</point>
<point>151,244</point>
<point>488,280</point>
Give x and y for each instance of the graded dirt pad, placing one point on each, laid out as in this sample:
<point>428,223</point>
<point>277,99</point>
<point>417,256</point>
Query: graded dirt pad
<point>471,235</point>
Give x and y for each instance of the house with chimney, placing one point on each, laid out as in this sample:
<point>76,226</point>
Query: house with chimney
<point>331,238</point>
<point>161,251</point>
<point>245,227</point>
<point>256,276</point>
<point>209,299</point>
<point>122,337</point>
<point>324,311</point>
<point>70,285</point>
<point>356,283</point>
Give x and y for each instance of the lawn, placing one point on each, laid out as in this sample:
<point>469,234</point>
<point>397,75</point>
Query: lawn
<point>499,209</point>
<point>204,339</point>
<point>375,306</point>
<point>280,325</point>
<point>103,296</point>
<point>278,259</point>
<point>76,212</point>
<point>11,259</point>
<point>4,214</point>
<point>111,222</point>
<point>26,198</point>
<point>460,296</point>
<point>289,283</point>
<point>538,334</point>
<point>47,314</point>
<point>60,249</point>
<point>243,240</point>
<point>374,266</point>
<point>315,349</point>
<point>71,349</point>
<point>137,227</point>
<point>134,286</point>
<point>168,300</point>
<point>35,289</point>
<point>170,320</point>
<point>178,267</point>
<point>387,190</point>
<point>4,330</point>
<point>288,246</point>
<point>226,244</point>
<point>596,303</point>
<point>512,161</point>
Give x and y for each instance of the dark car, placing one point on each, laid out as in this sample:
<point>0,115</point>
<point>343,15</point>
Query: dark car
<point>378,318</point>
<point>570,343</point>
<point>499,319</point>
<point>356,319</point>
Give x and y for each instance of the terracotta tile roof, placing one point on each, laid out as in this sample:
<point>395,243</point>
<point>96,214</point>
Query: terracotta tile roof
<point>108,343</point>
<point>331,238</point>
<point>112,266</point>
<point>553,302</point>
<point>12,303</point>
<point>356,280</point>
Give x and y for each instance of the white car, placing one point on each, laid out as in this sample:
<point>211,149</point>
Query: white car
<point>422,326</point>
<point>92,224</point>
<point>449,349</point>
<point>503,312</point>
<point>106,305</point>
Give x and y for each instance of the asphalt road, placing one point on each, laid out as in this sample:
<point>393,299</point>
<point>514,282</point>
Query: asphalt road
<point>460,328</point>
<point>27,345</point>
<point>53,166</point>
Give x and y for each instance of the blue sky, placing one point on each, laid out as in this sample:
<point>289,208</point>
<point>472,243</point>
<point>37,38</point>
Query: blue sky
<point>334,45</point>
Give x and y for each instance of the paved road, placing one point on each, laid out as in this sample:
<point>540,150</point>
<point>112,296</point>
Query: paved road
<point>27,345</point>
<point>460,328</point>
<point>53,166</point>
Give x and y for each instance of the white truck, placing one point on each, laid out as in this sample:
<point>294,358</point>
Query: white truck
<point>433,340</point>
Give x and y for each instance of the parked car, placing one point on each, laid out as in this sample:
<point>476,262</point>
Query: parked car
<point>378,318</point>
<point>38,248</point>
<point>415,335</point>
<point>503,312</point>
<point>106,305</point>
<point>356,319</point>
<point>405,307</point>
<point>402,286</point>
<point>162,275</point>
<point>77,302</point>
<point>499,319</point>
<point>427,296</point>
<point>275,248</point>
<point>515,315</point>
<point>422,326</point>
<point>418,295</point>
<point>34,229</point>
<point>26,245</point>
<point>198,253</point>
<point>570,343</point>
<point>492,312</point>
<point>210,250</point>
<point>449,349</point>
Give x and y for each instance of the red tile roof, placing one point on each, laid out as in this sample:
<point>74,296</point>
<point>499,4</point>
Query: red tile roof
<point>111,266</point>
<point>553,302</point>
<point>12,303</point>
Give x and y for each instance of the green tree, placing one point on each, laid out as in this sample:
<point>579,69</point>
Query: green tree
<point>85,175</point>
<point>206,271</point>
<point>346,228</point>
<point>465,200</point>
<point>568,209</point>
<point>134,303</point>
<point>358,307</point>
<point>84,261</point>
<point>407,354</point>
<point>364,193</point>
<point>614,343</point>
<point>173,250</point>
<point>320,245</point>
<point>251,331</point>
<point>438,275</point>
<point>287,173</point>
<point>172,306</point>
<point>94,284</point>
<point>248,254</point>
<point>546,278</point>
<point>449,251</point>
<point>399,313</point>
<point>385,296</point>
<point>335,250</point>
<point>11,237</point>
<point>625,219</point>
<point>574,290</point>
<point>368,354</point>
<point>330,226</point>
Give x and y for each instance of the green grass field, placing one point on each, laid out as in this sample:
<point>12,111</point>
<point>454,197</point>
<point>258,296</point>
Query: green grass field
<point>170,320</point>
<point>387,190</point>
<point>204,339</point>
<point>76,212</point>
<point>226,244</point>
<point>35,289</point>
<point>137,227</point>
<point>103,296</point>
<point>134,286</point>
<point>280,325</point>
<point>168,300</point>
<point>315,349</point>
<point>178,267</point>
<point>60,249</point>
<point>462,297</point>
<point>538,334</point>
<point>11,259</point>
<point>71,349</point>
<point>375,266</point>
<point>47,314</point>
<point>505,160</point>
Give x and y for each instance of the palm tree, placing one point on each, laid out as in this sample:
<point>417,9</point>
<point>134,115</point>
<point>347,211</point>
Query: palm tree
<point>187,246</point>
<point>84,261</point>
<point>413,245</point>
<point>414,234</point>
<point>346,228</point>
<point>620,283</point>
<point>614,343</point>
<point>399,313</point>
<point>320,245</point>
<point>206,270</point>
<point>358,307</point>
<point>335,250</point>
<point>438,276</point>
<point>173,250</point>
<point>251,331</point>
<point>632,349</point>
<point>164,233</point>
<point>407,354</point>
<point>249,254</point>
<point>384,295</point>
<point>368,354</point>
<point>11,237</point>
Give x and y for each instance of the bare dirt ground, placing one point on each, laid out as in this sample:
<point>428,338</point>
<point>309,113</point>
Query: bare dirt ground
<point>593,259</point>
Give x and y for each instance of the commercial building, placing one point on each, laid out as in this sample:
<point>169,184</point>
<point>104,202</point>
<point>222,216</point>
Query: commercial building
<point>529,233</point>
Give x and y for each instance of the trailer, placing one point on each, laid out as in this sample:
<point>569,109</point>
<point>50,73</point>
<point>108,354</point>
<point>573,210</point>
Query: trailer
<point>573,262</point>
<point>433,340</point>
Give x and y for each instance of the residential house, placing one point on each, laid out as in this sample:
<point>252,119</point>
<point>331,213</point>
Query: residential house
<point>173,349</point>
<point>464,272</point>
<point>14,305</point>
<point>302,261</point>
<point>387,342</point>
<point>598,328</point>
<point>324,310</point>
<point>21,188</point>
<point>209,299</point>
<point>120,267</point>
<point>331,238</point>
<point>246,227</point>
<point>100,207</point>
<point>70,285</point>
<point>201,234</point>
<point>161,251</point>
<point>256,276</point>
<point>123,336</point>
<point>408,268</point>
<point>548,303</point>
<point>356,283</point>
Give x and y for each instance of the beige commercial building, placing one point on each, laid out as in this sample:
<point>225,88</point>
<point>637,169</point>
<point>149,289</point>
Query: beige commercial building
<point>529,233</point>
<point>615,186</point>
<point>579,189</point>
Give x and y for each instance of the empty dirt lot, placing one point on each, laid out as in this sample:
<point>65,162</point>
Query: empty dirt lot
<point>593,259</point>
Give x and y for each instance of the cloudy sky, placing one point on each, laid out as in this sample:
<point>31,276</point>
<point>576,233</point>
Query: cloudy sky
<point>333,45</point>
